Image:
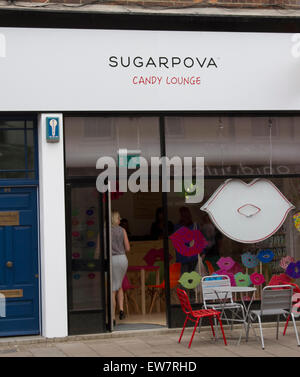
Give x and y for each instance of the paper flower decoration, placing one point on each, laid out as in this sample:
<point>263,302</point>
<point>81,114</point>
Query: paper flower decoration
<point>285,261</point>
<point>226,263</point>
<point>75,222</point>
<point>90,212</point>
<point>75,212</point>
<point>184,237</point>
<point>91,244</point>
<point>91,275</point>
<point>242,280</point>
<point>247,212</point>
<point>190,280</point>
<point>229,274</point>
<point>280,279</point>
<point>76,255</point>
<point>249,260</point>
<point>293,270</point>
<point>257,279</point>
<point>155,255</point>
<point>296,219</point>
<point>90,234</point>
<point>265,256</point>
<point>90,222</point>
<point>75,234</point>
<point>76,276</point>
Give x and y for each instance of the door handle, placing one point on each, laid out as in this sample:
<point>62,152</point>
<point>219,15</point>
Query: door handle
<point>9,264</point>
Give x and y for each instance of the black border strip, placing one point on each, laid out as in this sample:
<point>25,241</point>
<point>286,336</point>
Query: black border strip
<point>47,18</point>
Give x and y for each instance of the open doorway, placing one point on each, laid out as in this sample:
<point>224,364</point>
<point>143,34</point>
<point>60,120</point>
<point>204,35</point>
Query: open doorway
<point>90,273</point>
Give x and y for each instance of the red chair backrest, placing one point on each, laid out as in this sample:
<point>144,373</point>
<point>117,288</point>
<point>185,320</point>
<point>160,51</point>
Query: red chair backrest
<point>184,301</point>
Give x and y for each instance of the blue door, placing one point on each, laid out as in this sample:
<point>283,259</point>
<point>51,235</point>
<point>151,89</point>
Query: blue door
<point>19,280</point>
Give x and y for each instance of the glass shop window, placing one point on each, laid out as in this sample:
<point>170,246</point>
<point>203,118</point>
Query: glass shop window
<point>243,148</point>
<point>17,149</point>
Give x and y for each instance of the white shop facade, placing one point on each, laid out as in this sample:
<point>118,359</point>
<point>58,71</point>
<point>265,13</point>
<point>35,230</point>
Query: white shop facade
<point>69,96</point>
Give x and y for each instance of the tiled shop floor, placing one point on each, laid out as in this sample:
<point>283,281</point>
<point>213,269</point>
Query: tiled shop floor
<point>159,345</point>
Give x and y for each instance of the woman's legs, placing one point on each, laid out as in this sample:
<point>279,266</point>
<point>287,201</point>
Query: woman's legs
<point>120,298</point>
<point>114,304</point>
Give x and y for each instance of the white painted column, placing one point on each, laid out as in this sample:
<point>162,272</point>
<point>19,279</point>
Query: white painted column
<point>52,233</point>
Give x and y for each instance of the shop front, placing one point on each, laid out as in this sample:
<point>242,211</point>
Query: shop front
<point>228,98</point>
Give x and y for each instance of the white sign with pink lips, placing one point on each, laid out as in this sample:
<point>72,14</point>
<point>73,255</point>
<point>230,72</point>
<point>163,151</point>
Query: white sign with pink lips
<point>248,212</point>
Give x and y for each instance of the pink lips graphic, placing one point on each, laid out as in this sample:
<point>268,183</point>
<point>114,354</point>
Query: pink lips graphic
<point>248,212</point>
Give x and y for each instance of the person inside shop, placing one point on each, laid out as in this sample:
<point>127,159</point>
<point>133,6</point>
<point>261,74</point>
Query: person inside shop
<point>157,227</point>
<point>188,264</point>
<point>125,225</point>
<point>119,246</point>
<point>214,238</point>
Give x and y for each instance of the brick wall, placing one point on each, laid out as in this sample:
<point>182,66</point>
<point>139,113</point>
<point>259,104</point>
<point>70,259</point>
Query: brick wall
<point>266,4</point>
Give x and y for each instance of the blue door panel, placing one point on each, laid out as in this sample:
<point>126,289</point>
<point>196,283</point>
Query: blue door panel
<point>23,252</point>
<point>19,245</point>
<point>12,202</point>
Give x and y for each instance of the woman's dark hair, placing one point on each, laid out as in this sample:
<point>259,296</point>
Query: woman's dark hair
<point>159,211</point>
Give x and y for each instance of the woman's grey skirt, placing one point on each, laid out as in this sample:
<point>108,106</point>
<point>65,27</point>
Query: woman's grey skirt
<point>119,269</point>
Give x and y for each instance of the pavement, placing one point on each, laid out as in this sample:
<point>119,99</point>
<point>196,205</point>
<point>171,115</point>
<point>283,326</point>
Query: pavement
<point>152,343</point>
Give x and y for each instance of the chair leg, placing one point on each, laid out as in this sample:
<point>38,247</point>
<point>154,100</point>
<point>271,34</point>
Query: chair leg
<point>187,317</point>
<point>221,326</point>
<point>277,329</point>
<point>135,304</point>
<point>261,333</point>
<point>216,327</point>
<point>200,323</point>
<point>286,324</point>
<point>212,326</point>
<point>196,324</point>
<point>153,301</point>
<point>295,327</point>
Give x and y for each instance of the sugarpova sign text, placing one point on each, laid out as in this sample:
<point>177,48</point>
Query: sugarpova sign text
<point>162,62</point>
<point>147,70</point>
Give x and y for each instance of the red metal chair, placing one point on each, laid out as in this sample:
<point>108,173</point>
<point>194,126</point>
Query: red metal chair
<point>195,315</point>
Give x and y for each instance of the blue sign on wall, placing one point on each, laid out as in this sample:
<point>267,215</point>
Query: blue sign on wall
<point>52,129</point>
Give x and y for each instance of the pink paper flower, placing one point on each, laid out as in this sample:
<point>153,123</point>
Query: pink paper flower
<point>285,261</point>
<point>257,279</point>
<point>226,263</point>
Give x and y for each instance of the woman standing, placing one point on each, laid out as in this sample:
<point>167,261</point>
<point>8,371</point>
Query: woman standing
<point>119,245</point>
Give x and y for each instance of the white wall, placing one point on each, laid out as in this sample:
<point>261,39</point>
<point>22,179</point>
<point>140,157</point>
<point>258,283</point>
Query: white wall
<point>52,233</point>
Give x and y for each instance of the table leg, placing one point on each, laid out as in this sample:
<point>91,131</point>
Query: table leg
<point>246,314</point>
<point>157,282</point>
<point>143,296</point>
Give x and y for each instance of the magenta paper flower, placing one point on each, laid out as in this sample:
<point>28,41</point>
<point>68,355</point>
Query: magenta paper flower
<point>257,279</point>
<point>188,242</point>
<point>293,270</point>
<point>226,263</point>
<point>155,255</point>
<point>285,261</point>
<point>229,274</point>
